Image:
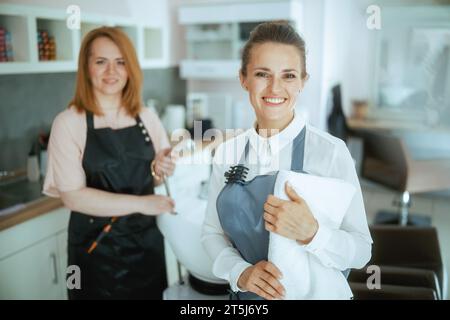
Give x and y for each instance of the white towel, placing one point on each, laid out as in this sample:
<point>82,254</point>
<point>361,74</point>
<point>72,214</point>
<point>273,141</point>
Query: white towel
<point>304,276</point>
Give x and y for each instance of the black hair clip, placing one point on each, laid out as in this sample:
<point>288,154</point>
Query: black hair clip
<point>236,174</point>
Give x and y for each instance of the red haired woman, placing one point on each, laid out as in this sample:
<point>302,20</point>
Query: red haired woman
<point>106,154</point>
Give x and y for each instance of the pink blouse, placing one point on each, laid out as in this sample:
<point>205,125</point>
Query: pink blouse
<point>68,139</point>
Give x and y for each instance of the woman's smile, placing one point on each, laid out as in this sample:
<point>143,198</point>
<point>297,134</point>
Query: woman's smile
<point>274,101</point>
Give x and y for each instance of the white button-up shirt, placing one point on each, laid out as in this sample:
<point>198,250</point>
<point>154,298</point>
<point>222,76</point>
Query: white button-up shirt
<point>324,155</point>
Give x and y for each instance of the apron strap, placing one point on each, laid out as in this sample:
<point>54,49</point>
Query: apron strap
<point>244,155</point>
<point>141,127</point>
<point>298,150</point>
<point>90,120</point>
<point>139,122</point>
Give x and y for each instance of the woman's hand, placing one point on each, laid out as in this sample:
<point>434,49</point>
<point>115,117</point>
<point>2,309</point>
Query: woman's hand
<point>153,205</point>
<point>165,163</point>
<point>262,279</point>
<point>291,219</point>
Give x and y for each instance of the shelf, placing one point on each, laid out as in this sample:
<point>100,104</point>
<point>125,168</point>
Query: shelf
<point>24,22</point>
<point>62,35</point>
<point>217,50</point>
<point>17,26</point>
<point>211,69</point>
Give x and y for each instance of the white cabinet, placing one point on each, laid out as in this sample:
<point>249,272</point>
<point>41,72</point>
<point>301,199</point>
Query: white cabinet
<point>24,22</point>
<point>33,258</point>
<point>216,34</point>
<point>32,273</point>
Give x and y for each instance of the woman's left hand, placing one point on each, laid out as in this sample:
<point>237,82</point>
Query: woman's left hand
<point>291,219</point>
<point>165,163</point>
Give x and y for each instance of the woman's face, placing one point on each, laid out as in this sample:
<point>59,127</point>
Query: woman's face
<point>273,81</point>
<point>107,70</point>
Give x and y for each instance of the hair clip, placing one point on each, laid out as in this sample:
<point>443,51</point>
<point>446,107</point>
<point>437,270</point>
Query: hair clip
<point>236,174</point>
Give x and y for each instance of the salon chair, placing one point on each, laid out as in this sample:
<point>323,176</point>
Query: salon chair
<point>410,264</point>
<point>387,161</point>
<point>391,292</point>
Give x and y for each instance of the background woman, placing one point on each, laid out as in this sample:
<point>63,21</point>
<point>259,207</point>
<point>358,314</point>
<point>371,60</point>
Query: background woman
<point>102,152</point>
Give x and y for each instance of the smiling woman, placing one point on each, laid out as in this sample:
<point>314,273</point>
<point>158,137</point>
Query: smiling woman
<point>106,154</point>
<point>241,212</point>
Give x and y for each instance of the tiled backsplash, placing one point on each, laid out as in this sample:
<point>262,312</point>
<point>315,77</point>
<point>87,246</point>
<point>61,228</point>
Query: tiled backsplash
<point>29,103</point>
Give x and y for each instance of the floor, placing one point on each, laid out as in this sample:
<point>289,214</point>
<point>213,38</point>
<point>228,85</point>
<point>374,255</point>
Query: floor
<point>438,207</point>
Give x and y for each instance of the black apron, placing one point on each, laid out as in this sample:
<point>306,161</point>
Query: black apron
<point>129,261</point>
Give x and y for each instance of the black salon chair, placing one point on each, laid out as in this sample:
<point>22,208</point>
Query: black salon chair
<point>410,264</point>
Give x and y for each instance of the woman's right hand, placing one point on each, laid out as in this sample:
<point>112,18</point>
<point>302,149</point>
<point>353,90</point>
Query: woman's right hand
<point>155,204</point>
<point>262,279</point>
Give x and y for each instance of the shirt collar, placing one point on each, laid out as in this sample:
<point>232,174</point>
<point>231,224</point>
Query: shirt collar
<point>278,141</point>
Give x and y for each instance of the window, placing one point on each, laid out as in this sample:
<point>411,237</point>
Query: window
<point>412,71</point>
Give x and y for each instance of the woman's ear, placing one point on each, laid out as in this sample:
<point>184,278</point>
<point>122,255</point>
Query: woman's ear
<point>302,85</point>
<point>243,80</point>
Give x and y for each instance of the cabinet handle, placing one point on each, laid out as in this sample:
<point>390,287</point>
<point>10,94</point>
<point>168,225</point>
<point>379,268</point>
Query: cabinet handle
<point>55,268</point>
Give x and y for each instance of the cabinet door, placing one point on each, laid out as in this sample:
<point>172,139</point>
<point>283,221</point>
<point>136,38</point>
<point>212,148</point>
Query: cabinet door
<point>32,273</point>
<point>62,261</point>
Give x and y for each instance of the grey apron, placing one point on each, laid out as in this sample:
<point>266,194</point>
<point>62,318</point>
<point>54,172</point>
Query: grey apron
<point>240,207</point>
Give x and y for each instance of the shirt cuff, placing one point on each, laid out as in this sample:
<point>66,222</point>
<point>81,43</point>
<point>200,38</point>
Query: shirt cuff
<point>320,240</point>
<point>235,273</point>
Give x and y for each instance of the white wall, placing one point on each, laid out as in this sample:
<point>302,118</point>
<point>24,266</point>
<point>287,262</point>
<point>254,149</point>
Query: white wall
<point>310,100</point>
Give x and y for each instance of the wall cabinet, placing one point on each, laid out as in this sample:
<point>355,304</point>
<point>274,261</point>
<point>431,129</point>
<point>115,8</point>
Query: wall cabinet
<point>216,34</point>
<point>24,22</point>
<point>33,258</point>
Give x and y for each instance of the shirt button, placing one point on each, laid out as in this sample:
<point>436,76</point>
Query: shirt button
<point>144,131</point>
<point>140,124</point>
<point>147,139</point>
<point>91,220</point>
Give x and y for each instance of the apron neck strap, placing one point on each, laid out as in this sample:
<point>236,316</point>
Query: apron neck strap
<point>298,147</point>
<point>138,121</point>
<point>298,150</point>
<point>90,120</point>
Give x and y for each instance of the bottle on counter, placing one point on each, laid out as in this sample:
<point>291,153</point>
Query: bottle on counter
<point>43,155</point>
<point>33,172</point>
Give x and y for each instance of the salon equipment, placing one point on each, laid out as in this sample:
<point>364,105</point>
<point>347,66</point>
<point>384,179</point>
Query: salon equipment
<point>409,259</point>
<point>182,233</point>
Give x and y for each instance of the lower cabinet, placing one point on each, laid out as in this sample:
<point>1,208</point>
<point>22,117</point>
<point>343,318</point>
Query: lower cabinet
<point>33,258</point>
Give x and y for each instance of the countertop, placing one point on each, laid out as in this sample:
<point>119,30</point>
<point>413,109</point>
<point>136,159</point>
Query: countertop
<point>30,210</point>
<point>32,203</point>
<point>393,125</point>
